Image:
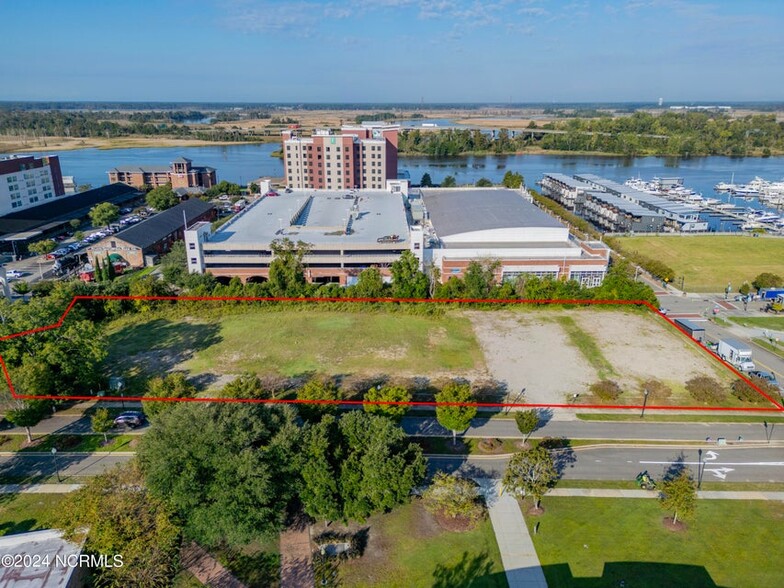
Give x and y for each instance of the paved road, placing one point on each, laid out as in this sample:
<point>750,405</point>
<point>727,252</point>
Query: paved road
<point>703,305</point>
<point>719,464</point>
<point>66,424</point>
<point>621,430</point>
<point>27,465</point>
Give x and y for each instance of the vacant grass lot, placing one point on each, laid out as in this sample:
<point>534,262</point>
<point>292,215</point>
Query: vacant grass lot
<point>20,513</point>
<point>593,542</point>
<point>296,342</point>
<point>709,262</point>
<point>407,548</point>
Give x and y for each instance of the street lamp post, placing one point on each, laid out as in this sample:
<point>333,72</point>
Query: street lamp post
<point>56,467</point>
<point>767,436</point>
<point>644,401</point>
<point>699,469</point>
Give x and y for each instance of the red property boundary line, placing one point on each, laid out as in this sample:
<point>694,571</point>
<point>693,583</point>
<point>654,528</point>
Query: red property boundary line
<point>777,407</point>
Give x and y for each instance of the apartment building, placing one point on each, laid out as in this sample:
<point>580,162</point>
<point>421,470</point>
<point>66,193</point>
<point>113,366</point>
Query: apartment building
<point>28,181</point>
<point>181,173</point>
<point>358,157</point>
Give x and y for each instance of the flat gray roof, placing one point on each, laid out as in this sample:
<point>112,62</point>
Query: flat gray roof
<point>458,210</point>
<point>569,181</point>
<point>628,192</point>
<point>626,206</point>
<point>319,217</point>
<point>38,544</point>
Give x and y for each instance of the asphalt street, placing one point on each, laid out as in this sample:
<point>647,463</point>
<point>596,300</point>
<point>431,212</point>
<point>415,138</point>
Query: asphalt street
<point>37,465</point>
<point>720,464</point>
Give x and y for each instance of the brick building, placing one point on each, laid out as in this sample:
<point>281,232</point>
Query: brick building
<point>360,156</point>
<point>180,174</point>
<point>142,243</point>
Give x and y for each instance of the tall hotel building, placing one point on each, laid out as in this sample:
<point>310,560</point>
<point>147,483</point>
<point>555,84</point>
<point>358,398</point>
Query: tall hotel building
<point>362,157</point>
<point>27,181</point>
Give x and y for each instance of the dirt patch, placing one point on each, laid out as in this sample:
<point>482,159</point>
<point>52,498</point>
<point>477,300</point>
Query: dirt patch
<point>677,527</point>
<point>529,351</point>
<point>456,524</point>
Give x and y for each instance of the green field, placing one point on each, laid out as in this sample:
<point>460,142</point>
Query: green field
<point>709,262</point>
<point>593,542</point>
<point>774,323</point>
<point>296,342</point>
<point>407,549</point>
<point>20,513</point>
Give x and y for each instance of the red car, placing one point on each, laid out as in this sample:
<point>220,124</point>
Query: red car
<point>272,193</point>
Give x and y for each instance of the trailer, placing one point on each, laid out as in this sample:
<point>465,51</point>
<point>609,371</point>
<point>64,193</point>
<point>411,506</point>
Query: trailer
<point>736,353</point>
<point>694,330</point>
<point>771,293</point>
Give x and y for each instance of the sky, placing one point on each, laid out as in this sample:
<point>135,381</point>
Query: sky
<point>494,51</point>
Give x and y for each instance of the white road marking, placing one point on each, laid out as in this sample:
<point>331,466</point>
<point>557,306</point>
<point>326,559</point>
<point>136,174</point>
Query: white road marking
<point>740,463</point>
<point>712,455</point>
<point>720,473</point>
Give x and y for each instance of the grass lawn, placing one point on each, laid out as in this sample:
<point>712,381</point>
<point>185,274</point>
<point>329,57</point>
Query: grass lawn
<point>257,564</point>
<point>408,549</point>
<point>593,542</point>
<point>296,342</point>
<point>774,323</point>
<point>20,513</point>
<point>81,443</point>
<point>709,262</point>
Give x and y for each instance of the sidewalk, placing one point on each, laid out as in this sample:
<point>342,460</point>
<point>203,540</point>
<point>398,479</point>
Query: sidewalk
<point>38,488</point>
<point>518,555</point>
<point>705,494</point>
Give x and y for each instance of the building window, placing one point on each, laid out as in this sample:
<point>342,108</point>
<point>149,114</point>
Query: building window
<point>193,260</point>
<point>191,245</point>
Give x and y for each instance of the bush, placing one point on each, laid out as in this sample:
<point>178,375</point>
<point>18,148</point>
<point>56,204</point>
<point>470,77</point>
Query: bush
<point>606,390</point>
<point>657,390</point>
<point>705,389</point>
<point>745,393</point>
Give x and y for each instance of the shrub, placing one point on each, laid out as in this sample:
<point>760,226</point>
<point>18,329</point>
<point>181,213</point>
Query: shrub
<point>705,389</point>
<point>657,390</point>
<point>745,393</point>
<point>606,390</point>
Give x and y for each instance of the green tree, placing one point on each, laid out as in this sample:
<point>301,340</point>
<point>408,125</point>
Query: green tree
<point>767,280</point>
<point>449,410</point>
<point>426,181</point>
<point>387,394</point>
<point>407,280</point>
<point>255,188</point>
<point>449,182</point>
<point>530,473</point>
<point>42,247</point>
<point>320,396</point>
<point>21,287</point>
<point>101,422</point>
<point>679,495</point>
<point>370,284</point>
<point>247,385</point>
<point>357,466</point>
<point>527,422</point>
<point>512,180</point>
<point>161,198</point>
<point>123,518</point>
<point>79,236</point>
<point>27,413</point>
<point>109,269</point>
<point>453,497</point>
<point>75,223</point>
<point>479,278</point>
<point>174,265</point>
<point>174,385</point>
<point>483,183</point>
<point>229,470</point>
<point>104,214</point>
<point>287,272</point>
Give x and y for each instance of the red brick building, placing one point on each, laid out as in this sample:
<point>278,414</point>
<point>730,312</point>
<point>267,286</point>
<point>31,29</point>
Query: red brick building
<point>180,174</point>
<point>362,157</point>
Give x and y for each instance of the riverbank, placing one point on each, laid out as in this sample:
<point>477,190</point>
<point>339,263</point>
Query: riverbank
<point>53,144</point>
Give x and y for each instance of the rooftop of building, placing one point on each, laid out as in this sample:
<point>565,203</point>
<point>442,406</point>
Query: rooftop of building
<point>622,204</point>
<point>36,546</point>
<point>319,217</point>
<point>64,208</point>
<point>148,232</point>
<point>158,169</point>
<point>569,181</point>
<point>463,210</point>
<point>629,193</point>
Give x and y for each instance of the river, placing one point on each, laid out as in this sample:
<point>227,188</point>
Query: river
<point>244,162</point>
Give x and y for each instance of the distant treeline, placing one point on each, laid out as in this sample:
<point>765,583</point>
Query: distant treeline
<point>668,134</point>
<point>112,124</point>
